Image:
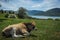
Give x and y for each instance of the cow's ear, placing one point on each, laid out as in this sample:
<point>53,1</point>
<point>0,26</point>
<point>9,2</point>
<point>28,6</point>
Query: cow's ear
<point>33,22</point>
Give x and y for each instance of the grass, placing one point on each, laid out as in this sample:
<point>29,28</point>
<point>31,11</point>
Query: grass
<point>47,29</point>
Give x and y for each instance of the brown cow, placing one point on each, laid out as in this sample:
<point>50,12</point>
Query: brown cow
<point>18,30</point>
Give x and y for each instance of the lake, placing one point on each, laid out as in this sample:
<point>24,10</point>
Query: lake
<point>45,17</point>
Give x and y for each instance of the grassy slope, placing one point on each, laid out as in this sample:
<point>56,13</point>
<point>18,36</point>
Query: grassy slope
<point>47,29</point>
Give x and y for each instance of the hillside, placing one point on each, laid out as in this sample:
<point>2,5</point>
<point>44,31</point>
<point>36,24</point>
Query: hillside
<point>33,12</point>
<point>51,12</point>
<point>47,29</point>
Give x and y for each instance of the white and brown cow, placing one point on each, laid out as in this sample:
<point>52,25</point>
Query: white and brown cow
<point>18,30</point>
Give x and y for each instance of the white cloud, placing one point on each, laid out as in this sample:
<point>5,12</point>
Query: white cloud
<point>37,5</point>
<point>49,4</point>
<point>29,4</point>
<point>46,4</point>
<point>15,4</point>
<point>8,6</point>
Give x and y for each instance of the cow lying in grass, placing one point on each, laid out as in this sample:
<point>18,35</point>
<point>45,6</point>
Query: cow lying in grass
<point>18,30</point>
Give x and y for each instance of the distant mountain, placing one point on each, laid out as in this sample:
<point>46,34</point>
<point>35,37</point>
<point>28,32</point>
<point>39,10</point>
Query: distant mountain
<point>34,12</point>
<point>51,12</point>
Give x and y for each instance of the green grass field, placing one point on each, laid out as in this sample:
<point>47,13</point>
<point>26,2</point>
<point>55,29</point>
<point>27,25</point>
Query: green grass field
<point>47,29</point>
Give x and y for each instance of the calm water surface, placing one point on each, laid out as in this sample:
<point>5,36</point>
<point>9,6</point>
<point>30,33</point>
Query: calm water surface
<point>45,17</point>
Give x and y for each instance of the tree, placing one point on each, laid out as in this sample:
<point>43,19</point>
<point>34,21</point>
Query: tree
<point>0,5</point>
<point>22,13</point>
<point>1,11</point>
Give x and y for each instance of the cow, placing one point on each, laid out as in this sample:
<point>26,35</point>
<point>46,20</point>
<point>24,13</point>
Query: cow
<point>19,30</point>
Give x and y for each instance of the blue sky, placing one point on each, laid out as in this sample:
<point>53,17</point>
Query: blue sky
<point>30,4</point>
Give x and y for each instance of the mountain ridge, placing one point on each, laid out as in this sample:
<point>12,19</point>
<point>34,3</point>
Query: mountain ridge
<point>51,12</point>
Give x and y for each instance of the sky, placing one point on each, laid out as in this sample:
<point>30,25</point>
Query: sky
<point>29,4</point>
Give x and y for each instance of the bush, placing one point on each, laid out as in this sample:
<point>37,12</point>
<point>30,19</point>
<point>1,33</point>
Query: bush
<point>6,16</point>
<point>50,19</point>
<point>57,19</point>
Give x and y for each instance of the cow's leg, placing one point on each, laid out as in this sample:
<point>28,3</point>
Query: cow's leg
<point>14,33</point>
<point>25,32</point>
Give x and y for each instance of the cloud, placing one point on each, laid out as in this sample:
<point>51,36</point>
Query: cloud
<point>30,4</point>
<point>37,5</point>
<point>15,4</point>
<point>47,4</point>
<point>7,6</point>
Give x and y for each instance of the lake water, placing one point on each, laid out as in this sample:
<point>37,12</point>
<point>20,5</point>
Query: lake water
<point>45,17</point>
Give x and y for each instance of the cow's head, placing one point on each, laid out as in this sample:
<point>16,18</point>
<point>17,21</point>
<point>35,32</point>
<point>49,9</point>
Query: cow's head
<point>30,26</point>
